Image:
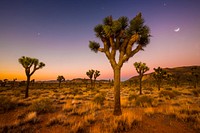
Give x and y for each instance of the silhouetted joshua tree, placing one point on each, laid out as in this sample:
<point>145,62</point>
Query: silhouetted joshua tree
<point>13,82</point>
<point>141,68</point>
<point>27,63</point>
<point>96,74</point>
<point>60,79</point>
<point>127,38</point>
<point>159,75</point>
<point>90,74</point>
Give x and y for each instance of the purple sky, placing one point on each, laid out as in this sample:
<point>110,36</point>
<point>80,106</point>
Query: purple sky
<point>57,32</point>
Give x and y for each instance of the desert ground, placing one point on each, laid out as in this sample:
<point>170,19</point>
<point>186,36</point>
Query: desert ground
<point>76,108</point>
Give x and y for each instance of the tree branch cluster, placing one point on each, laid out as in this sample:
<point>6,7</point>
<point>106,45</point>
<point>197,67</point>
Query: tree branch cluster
<point>121,35</point>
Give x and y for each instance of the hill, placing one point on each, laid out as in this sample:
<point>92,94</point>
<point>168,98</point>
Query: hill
<point>184,72</point>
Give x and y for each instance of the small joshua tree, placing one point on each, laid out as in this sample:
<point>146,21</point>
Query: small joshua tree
<point>27,63</point>
<point>127,38</point>
<point>13,82</point>
<point>195,75</point>
<point>174,78</point>
<point>96,74</point>
<point>90,74</point>
<point>159,75</point>
<point>141,68</point>
<point>60,79</point>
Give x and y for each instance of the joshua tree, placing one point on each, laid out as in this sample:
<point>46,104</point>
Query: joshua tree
<point>159,76</point>
<point>96,74</point>
<point>27,63</point>
<point>141,68</point>
<point>13,82</point>
<point>60,79</point>
<point>127,38</point>
<point>90,74</point>
<point>195,75</point>
<point>174,78</point>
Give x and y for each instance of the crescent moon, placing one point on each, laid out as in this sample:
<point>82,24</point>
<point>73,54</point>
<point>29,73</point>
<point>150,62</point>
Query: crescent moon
<point>177,30</point>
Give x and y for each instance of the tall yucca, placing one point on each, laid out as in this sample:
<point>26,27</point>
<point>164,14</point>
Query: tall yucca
<point>27,63</point>
<point>126,37</point>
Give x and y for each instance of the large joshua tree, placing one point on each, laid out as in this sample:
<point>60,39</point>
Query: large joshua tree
<point>96,74</point>
<point>124,37</point>
<point>60,79</point>
<point>141,68</point>
<point>90,74</point>
<point>27,63</point>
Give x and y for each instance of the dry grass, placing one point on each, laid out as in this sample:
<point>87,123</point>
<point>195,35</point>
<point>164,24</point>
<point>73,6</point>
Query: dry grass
<point>58,120</point>
<point>84,112</point>
<point>126,121</point>
<point>149,111</point>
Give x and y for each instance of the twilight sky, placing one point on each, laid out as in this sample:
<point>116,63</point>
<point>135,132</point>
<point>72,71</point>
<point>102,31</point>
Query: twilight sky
<point>57,32</point>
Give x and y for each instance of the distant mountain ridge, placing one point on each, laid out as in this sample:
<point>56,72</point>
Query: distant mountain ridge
<point>185,72</point>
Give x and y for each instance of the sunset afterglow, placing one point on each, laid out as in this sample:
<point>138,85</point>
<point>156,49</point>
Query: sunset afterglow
<point>58,33</point>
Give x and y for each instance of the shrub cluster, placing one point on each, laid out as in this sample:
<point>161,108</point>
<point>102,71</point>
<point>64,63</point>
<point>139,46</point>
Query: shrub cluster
<point>170,94</point>
<point>6,104</point>
<point>144,101</point>
<point>42,106</point>
<point>99,99</point>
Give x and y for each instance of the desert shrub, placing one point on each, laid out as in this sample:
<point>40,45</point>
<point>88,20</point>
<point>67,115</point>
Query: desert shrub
<point>99,99</point>
<point>90,118</point>
<point>58,120</point>
<point>144,101</point>
<point>17,93</point>
<point>132,96</point>
<point>126,121</point>
<point>31,117</point>
<point>79,127</point>
<point>149,111</point>
<point>150,89</point>
<point>44,105</point>
<point>196,92</point>
<point>170,94</point>
<point>68,107</point>
<point>168,89</point>
<point>6,104</point>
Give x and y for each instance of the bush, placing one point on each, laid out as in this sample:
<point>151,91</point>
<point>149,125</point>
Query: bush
<point>6,104</point>
<point>126,121</point>
<point>132,96</point>
<point>99,99</point>
<point>143,101</point>
<point>170,94</point>
<point>42,106</point>
<point>196,92</point>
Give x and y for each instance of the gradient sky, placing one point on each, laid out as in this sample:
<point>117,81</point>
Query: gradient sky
<point>57,32</point>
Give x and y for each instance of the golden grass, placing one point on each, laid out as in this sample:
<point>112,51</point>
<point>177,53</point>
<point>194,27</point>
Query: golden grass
<point>149,111</point>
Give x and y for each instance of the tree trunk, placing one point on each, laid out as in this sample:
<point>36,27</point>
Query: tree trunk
<point>94,82</point>
<point>159,86</point>
<point>59,84</point>
<point>27,86</point>
<point>117,104</point>
<point>91,83</point>
<point>140,85</point>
